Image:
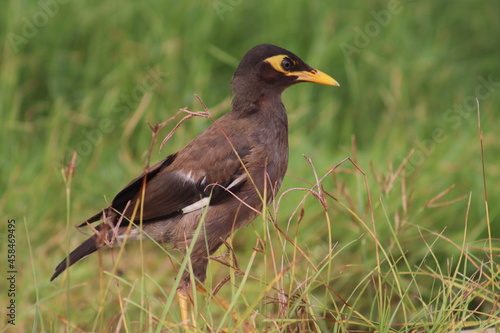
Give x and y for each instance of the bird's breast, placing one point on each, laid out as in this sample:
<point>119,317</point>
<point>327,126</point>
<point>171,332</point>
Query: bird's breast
<point>269,159</point>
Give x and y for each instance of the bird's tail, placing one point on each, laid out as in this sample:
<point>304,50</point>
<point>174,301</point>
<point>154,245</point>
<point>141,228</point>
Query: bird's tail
<point>86,248</point>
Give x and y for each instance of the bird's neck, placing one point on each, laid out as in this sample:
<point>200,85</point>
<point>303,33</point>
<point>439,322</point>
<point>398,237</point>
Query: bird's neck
<point>259,102</point>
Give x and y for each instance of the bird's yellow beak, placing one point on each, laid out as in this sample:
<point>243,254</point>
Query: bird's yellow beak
<point>314,76</point>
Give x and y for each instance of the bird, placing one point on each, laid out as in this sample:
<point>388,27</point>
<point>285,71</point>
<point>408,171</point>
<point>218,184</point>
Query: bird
<point>222,178</point>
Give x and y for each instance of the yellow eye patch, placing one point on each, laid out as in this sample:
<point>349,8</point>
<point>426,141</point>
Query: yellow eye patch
<point>282,63</point>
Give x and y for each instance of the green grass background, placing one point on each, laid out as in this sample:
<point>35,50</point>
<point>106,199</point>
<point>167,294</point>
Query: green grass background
<point>73,77</point>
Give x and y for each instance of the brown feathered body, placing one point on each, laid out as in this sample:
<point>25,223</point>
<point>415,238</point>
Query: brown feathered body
<point>226,174</point>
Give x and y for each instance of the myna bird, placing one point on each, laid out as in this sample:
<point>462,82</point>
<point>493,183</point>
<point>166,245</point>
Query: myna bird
<point>223,177</point>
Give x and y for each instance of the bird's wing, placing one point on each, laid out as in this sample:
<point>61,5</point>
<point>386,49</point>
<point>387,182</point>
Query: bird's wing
<point>175,186</point>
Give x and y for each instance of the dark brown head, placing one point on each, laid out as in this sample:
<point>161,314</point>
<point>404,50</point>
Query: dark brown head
<point>268,69</point>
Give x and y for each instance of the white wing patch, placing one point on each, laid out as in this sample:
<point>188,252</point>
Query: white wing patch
<point>187,177</point>
<point>237,181</point>
<point>197,205</point>
<point>205,201</point>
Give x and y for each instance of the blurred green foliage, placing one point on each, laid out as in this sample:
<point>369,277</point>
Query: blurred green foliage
<point>74,73</point>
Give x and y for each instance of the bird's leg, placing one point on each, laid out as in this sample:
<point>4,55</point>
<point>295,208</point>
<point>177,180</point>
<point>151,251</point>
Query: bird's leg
<point>199,266</point>
<point>199,271</point>
<point>182,296</point>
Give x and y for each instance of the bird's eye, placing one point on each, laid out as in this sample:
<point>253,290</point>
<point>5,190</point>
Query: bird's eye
<point>286,64</point>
